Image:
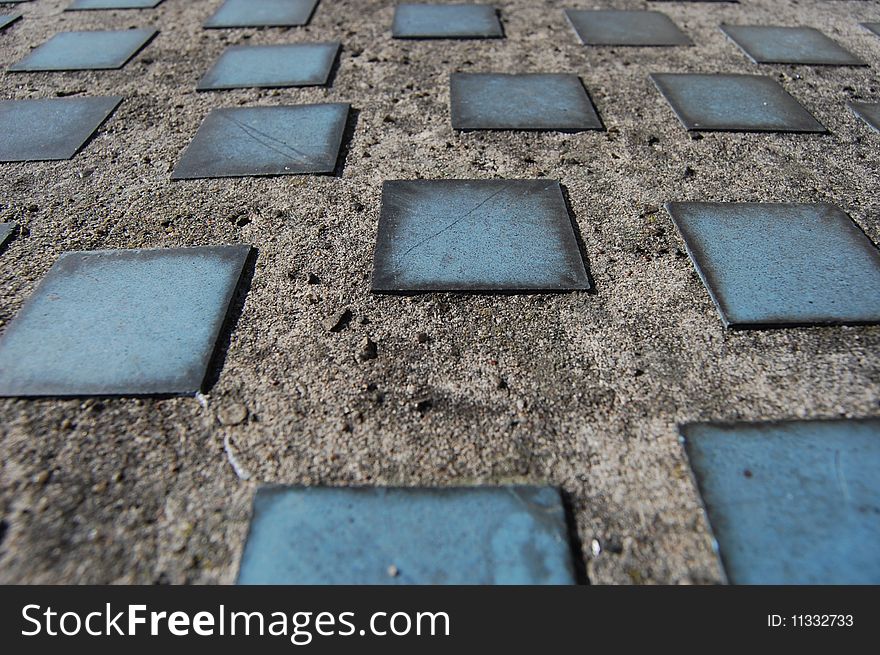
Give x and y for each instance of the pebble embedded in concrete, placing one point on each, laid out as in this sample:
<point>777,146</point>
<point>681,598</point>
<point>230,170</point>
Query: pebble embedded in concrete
<point>234,414</point>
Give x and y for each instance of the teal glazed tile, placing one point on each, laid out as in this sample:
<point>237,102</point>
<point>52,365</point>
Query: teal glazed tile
<point>733,103</point>
<point>476,236</point>
<point>262,13</point>
<point>489,101</point>
<point>868,112</point>
<point>302,64</point>
<point>8,19</point>
<point>256,141</point>
<point>121,322</point>
<point>625,28</point>
<point>417,536</point>
<point>93,50</point>
<point>781,265</point>
<point>51,128</point>
<point>874,27</point>
<point>453,21</point>
<point>6,230</point>
<point>791,502</point>
<point>768,44</point>
<point>83,5</point>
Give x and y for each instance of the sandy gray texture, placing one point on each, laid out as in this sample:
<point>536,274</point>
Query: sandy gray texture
<point>579,390</point>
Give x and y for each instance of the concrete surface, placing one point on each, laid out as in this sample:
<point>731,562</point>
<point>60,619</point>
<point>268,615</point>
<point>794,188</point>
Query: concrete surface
<point>578,390</point>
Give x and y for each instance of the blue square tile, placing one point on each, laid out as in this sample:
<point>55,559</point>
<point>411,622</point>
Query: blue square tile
<point>476,235</point>
<point>490,101</point>
<point>768,264</point>
<point>94,50</point>
<point>733,103</point>
<point>625,28</point>
<point>51,128</point>
<point>791,502</point>
<point>378,536</point>
<point>453,21</point>
<point>6,230</point>
<point>769,44</point>
<point>262,13</point>
<point>868,112</point>
<point>83,5</point>
<point>8,19</point>
<point>265,66</point>
<point>254,141</point>
<point>121,322</point>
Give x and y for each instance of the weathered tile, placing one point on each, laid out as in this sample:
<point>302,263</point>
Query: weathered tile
<point>453,21</point>
<point>51,128</point>
<point>8,19</point>
<point>874,27</point>
<point>868,112</point>
<point>82,5</point>
<point>394,536</point>
<point>476,235</point>
<point>6,230</point>
<point>254,141</point>
<point>301,64</point>
<point>489,101</point>
<point>770,44</point>
<point>729,102</point>
<point>791,502</point>
<point>93,50</point>
<point>262,13</point>
<point>625,28</point>
<point>768,265</point>
<point>121,322</point>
